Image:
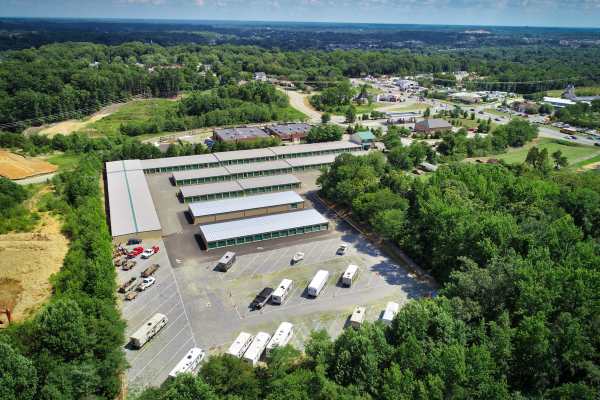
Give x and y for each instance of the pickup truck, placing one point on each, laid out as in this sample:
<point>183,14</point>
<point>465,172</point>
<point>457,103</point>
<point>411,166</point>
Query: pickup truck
<point>261,299</point>
<point>127,265</point>
<point>150,270</point>
<point>131,295</point>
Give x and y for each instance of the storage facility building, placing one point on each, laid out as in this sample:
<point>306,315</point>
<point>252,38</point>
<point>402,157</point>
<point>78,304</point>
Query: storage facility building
<point>182,163</point>
<point>315,149</point>
<point>289,132</point>
<point>277,167</point>
<point>239,188</point>
<point>131,209</point>
<point>302,163</point>
<point>250,206</point>
<point>231,233</point>
<point>245,156</point>
<point>196,176</point>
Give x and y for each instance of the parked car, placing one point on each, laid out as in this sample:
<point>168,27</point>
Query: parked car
<point>342,249</point>
<point>261,299</point>
<point>135,252</point>
<point>150,270</point>
<point>299,256</point>
<point>127,286</point>
<point>134,241</point>
<point>146,283</point>
<point>150,252</point>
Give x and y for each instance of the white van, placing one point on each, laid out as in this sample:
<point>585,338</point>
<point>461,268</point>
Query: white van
<point>257,347</point>
<point>358,317</point>
<point>390,312</point>
<point>148,330</point>
<point>350,275</point>
<point>240,345</point>
<point>318,283</point>
<point>189,363</point>
<point>282,291</point>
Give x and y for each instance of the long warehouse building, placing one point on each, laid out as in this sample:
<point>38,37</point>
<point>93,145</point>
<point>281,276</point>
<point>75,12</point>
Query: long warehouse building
<point>239,188</point>
<point>250,206</point>
<point>231,233</point>
<point>131,209</point>
<point>225,158</point>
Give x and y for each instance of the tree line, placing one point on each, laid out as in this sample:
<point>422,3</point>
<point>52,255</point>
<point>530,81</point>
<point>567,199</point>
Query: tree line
<point>71,349</point>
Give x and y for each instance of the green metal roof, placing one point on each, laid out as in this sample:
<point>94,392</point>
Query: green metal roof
<point>366,135</point>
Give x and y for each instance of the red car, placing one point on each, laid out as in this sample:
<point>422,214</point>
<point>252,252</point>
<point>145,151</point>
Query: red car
<point>135,252</point>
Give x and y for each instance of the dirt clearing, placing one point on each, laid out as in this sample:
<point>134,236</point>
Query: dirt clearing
<point>27,260</point>
<point>14,166</point>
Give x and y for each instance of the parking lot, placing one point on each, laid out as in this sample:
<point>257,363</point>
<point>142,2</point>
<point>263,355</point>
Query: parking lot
<point>208,308</point>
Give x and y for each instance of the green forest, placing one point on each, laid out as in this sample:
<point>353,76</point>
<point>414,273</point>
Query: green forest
<point>71,80</point>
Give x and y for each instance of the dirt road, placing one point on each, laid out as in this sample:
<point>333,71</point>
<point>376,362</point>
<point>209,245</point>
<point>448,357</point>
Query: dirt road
<point>300,102</point>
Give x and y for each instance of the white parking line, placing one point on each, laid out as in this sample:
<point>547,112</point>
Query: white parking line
<point>134,303</point>
<point>143,308</point>
<point>145,349</point>
<point>161,350</point>
<point>183,304</point>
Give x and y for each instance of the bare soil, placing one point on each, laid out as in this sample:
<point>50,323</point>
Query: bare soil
<point>27,260</point>
<point>14,166</point>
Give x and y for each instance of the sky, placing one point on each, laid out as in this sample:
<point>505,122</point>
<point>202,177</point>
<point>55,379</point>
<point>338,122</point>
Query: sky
<point>569,13</point>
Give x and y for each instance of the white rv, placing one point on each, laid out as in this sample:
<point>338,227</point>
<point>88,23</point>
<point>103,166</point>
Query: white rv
<point>358,317</point>
<point>318,283</point>
<point>189,363</point>
<point>390,312</point>
<point>257,347</point>
<point>349,275</point>
<point>282,291</point>
<point>281,337</point>
<point>240,345</point>
<point>148,330</point>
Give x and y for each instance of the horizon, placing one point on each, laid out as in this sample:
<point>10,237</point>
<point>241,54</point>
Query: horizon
<point>259,21</point>
<point>583,14</point>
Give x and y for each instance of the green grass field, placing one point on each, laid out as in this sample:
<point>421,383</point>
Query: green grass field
<point>493,111</point>
<point>134,111</point>
<point>410,107</point>
<point>579,91</point>
<point>574,153</point>
<point>64,161</point>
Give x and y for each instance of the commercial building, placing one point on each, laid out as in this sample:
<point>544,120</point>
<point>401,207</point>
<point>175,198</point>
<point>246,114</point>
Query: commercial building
<point>239,134</point>
<point>432,125</point>
<point>289,132</point>
<point>301,164</point>
<point>249,206</point>
<point>130,206</point>
<point>239,188</point>
<point>196,176</point>
<point>466,97</point>
<point>239,171</point>
<point>363,138</point>
<point>225,158</point>
<point>231,233</point>
<point>558,102</point>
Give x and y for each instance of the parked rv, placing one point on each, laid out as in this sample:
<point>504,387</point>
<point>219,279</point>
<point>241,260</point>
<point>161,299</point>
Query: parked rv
<point>390,312</point>
<point>148,330</point>
<point>256,348</point>
<point>240,345</point>
<point>189,364</point>
<point>281,337</point>
<point>350,275</point>
<point>282,291</point>
<point>318,283</point>
<point>226,261</point>
<point>357,317</point>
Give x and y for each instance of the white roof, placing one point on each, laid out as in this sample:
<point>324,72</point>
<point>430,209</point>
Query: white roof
<point>358,315</point>
<point>210,188</point>
<point>319,276</point>
<point>390,311</point>
<point>179,161</point>
<point>257,346</point>
<point>187,361</point>
<point>123,165</point>
<point>266,181</point>
<point>558,100</point>
<point>200,173</point>
<point>130,202</point>
<point>254,226</point>
<point>148,325</point>
<point>311,147</point>
<point>257,166</point>
<point>244,203</point>
<point>243,154</point>
<point>239,343</point>
<point>281,337</point>
<point>351,270</point>
<point>314,160</point>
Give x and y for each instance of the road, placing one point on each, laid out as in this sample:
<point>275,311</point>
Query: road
<point>35,179</point>
<point>300,102</point>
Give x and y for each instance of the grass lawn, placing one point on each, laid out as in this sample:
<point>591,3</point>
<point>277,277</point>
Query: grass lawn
<point>64,161</point>
<point>579,91</point>
<point>141,110</point>
<point>574,153</point>
<point>588,161</point>
<point>493,111</point>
